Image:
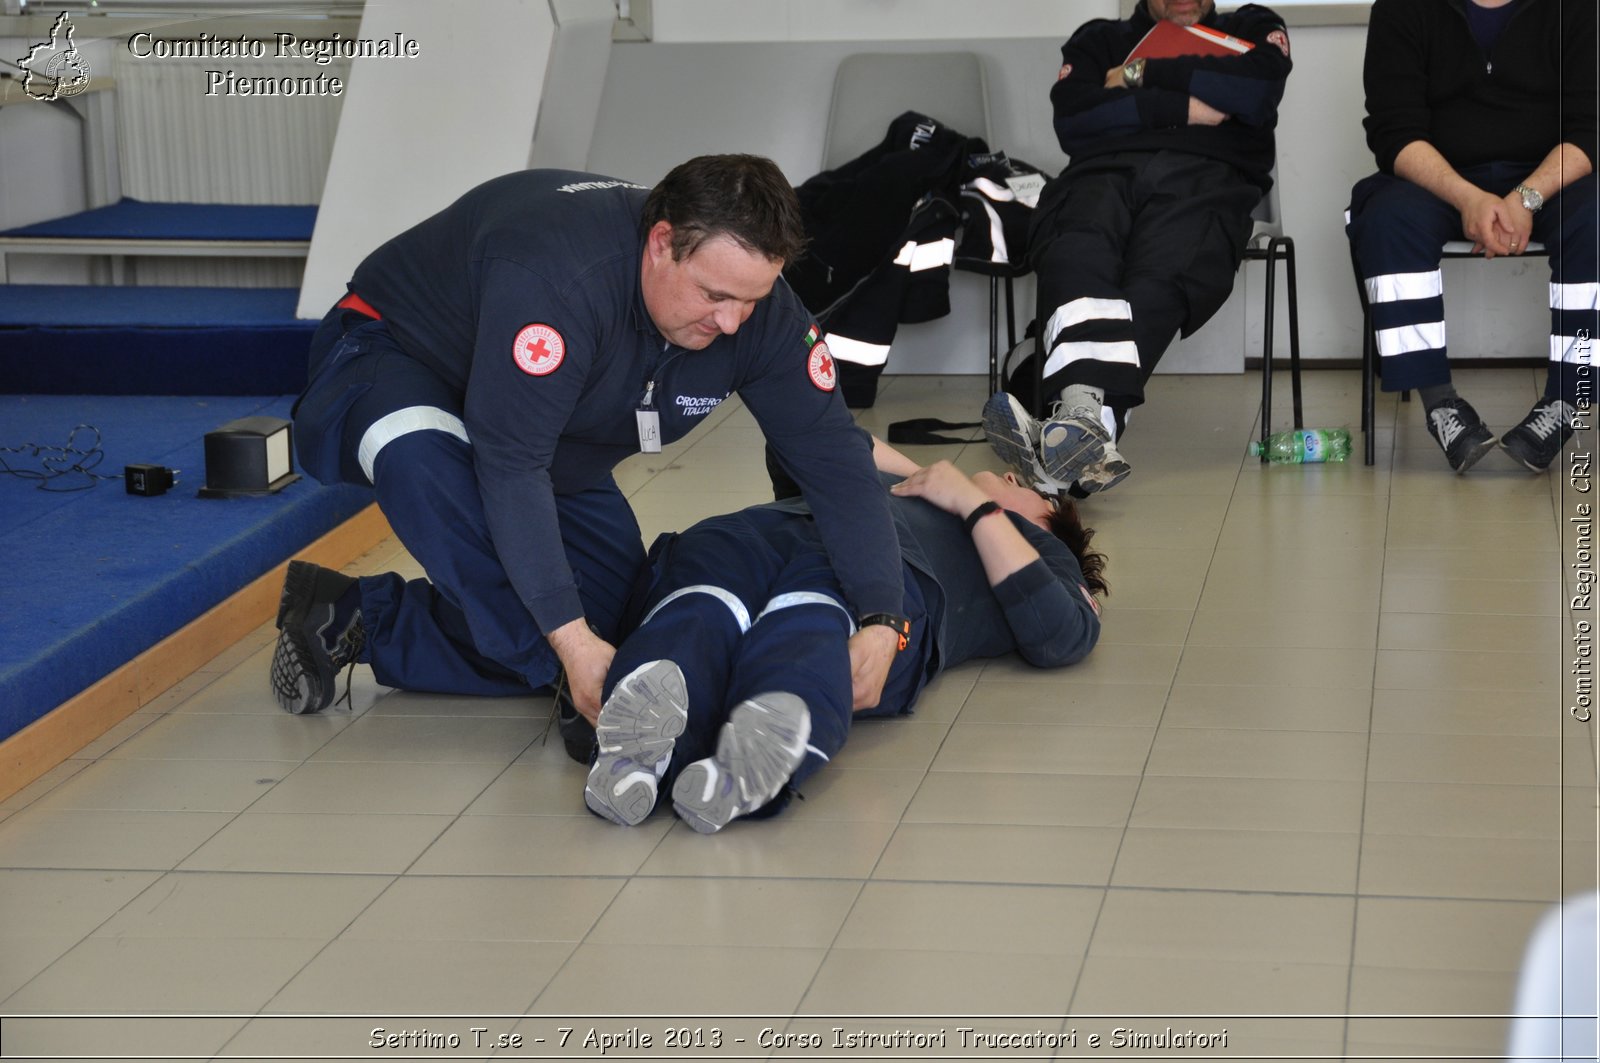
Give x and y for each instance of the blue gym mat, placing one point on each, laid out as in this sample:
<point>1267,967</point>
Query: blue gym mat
<point>91,578</point>
<point>139,220</point>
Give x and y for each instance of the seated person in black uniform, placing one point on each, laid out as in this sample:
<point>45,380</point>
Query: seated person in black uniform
<point>736,685</point>
<point>1141,235</point>
<point>1481,115</point>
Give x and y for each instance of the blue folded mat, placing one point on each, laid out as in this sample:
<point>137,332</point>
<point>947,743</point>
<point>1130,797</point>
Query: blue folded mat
<point>94,577</point>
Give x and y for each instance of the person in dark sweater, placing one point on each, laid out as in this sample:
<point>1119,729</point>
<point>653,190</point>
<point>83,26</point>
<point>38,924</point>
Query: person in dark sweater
<point>489,368</point>
<point>735,687</point>
<point>1481,114</point>
<point>1141,235</point>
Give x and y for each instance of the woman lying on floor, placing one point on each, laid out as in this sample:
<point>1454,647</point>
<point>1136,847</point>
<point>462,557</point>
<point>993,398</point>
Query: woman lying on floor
<point>736,686</point>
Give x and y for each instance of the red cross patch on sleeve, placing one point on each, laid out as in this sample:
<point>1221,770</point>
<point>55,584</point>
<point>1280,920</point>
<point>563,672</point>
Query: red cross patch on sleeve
<point>538,350</point>
<point>821,368</point>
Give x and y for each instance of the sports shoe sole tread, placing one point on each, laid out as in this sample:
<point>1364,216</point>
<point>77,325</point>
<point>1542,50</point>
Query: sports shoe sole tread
<point>638,726</point>
<point>758,750</point>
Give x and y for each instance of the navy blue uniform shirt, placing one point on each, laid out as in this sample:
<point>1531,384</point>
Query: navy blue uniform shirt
<point>524,295</point>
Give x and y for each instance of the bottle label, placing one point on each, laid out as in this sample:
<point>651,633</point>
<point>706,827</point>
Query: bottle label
<point>1312,446</point>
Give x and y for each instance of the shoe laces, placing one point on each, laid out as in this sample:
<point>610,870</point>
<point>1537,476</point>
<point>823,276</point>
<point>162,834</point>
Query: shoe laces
<point>1548,418</point>
<point>1060,411</point>
<point>1447,423</point>
<point>350,644</point>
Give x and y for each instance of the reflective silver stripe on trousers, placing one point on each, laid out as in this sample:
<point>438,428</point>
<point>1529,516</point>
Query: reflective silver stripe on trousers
<point>1394,287</point>
<point>1427,336</point>
<point>1576,349</point>
<point>793,598</point>
<point>1575,296</point>
<point>741,615</point>
<point>1125,352</point>
<point>392,426</point>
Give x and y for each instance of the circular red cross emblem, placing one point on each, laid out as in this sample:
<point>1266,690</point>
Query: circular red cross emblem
<point>824,374</point>
<point>538,350</point>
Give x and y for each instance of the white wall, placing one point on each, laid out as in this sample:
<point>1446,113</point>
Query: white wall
<point>415,134</point>
<point>870,20</point>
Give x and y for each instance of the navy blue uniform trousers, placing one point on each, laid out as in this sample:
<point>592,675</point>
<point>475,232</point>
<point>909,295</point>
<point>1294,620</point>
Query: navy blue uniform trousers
<point>371,414</point>
<point>747,604</point>
<point>1398,230</point>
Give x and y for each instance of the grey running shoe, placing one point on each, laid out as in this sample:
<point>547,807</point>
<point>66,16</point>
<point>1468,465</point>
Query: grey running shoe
<point>639,723</point>
<point>1071,441</point>
<point>760,746</point>
<point>1104,474</point>
<point>1537,440</point>
<point>1460,433</point>
<point>317,636</point>
<point>1013,435</point>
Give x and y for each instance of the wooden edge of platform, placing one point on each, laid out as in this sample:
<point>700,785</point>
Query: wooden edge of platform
<point>55,736</point>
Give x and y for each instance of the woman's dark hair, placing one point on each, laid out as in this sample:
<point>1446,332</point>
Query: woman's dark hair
<point>743,197</point>
<point>1065,525</point>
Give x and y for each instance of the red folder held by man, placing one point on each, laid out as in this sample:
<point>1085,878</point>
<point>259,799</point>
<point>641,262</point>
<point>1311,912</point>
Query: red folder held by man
<point>1168,40</point>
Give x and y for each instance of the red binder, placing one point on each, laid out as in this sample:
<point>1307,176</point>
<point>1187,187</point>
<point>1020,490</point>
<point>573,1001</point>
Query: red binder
<point>1168,39</point>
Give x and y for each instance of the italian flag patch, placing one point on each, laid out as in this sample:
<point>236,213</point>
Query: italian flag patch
<point>812,336</point>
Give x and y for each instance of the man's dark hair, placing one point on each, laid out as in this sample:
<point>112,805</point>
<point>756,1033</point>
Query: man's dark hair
<point>1065,525</point>
<point>743,197</point>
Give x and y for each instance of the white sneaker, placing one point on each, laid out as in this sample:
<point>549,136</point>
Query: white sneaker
<point>638,726</point>
<point>760,746</point>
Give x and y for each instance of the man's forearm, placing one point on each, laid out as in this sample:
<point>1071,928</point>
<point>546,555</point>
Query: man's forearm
<point>1420,163</point>
<point>1565,164</point>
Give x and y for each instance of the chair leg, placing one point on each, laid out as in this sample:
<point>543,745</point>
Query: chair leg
<point>1369,385</point>
<point>1267,345</point>
<point>1369,358</point>
<point>1011,315</point>
<point>1294,335</point>
<point>994,334</point>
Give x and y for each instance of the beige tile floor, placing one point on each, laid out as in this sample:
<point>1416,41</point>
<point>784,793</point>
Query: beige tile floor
<point>1315,787</point>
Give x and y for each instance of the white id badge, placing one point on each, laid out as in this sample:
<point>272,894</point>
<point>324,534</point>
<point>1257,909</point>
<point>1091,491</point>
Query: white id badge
<point>649,431</point>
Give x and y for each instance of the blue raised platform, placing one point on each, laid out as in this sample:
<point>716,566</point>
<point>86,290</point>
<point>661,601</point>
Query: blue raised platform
<point>135,219</point>
<point>93,578</point>
<point>98,340</point>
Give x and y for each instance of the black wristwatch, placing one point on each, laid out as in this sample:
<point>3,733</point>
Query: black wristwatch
<point>900,624</point>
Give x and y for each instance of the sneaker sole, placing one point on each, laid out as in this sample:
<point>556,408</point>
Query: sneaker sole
<point>759,748</point>
<point>1067,459</point>
<point>1116,474</point>
<point>639,724</point>
<point>1513,451</point>
<point>1004,432</point>
<point>1475,455</point>
<point>294,656</point>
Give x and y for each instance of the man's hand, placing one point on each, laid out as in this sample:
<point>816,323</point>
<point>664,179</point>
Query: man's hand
<point>1486,220</point>
<point>586,658</point>
<point>1520,220</point>
<point>1114,78</point>
<point>1202,113</point>
<point>872,651</point>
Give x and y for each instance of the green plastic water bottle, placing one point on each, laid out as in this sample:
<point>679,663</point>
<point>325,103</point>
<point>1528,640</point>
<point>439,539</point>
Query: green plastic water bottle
<point>1305,446</point>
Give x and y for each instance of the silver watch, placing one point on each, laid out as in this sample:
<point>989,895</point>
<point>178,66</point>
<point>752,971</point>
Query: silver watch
<point>1531,199</point>
<point>1133,73</point>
